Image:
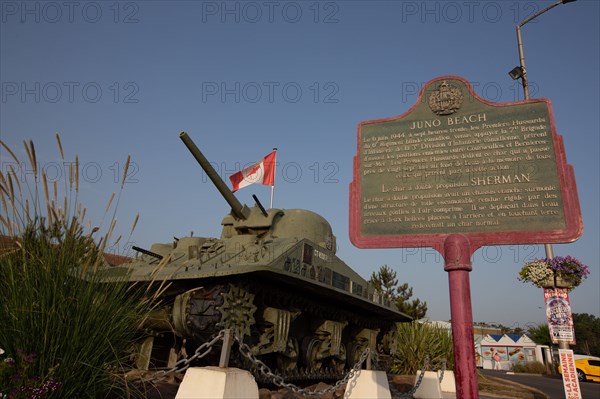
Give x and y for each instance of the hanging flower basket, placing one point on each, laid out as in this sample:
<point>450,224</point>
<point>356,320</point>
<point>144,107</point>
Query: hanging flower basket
<point>555,281</point>
<point>559,272</point>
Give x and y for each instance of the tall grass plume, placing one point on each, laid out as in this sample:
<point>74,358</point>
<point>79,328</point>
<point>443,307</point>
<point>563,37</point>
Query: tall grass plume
<point>75,329</point>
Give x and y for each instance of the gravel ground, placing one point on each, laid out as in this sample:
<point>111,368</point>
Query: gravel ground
<point>399,385</point>
<point>167,389</point>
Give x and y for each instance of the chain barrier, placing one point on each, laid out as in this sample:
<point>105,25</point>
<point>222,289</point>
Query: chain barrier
<point>184,363</point>
<point>443,370</point>
<point>280,382</point>
<point>277,380</point>
<point>375,361</point>
<point>419,380</point>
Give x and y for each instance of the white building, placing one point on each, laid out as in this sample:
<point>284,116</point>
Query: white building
<point>509,349</point>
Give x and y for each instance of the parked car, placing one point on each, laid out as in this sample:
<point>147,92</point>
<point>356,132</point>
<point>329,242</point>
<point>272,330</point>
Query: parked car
<point>588,369</point>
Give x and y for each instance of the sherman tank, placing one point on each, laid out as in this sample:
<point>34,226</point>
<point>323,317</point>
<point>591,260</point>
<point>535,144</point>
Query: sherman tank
<point>273,277</point>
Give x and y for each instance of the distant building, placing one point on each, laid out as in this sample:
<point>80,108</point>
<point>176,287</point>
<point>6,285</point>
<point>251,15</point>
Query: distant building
<point>483,330</point>
<point>510,348</point>
<point>8,244</point>
<point>115,260</point>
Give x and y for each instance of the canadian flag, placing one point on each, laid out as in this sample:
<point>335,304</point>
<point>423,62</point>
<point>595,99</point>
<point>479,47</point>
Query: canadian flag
<point>262,172</point>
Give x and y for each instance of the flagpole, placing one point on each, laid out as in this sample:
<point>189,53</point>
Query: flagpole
<point>273,186</point>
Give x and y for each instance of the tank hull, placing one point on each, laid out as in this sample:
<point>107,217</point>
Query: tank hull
<point>299,307</point>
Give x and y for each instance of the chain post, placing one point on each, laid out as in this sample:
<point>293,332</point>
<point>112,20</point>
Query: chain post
<point>369,365</point>
<point>226,348</point>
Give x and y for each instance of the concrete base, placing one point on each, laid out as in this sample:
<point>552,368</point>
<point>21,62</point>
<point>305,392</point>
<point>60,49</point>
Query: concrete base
<point>217,383</point>
<point>368,384</point>
<point>430,386</point>
<point>448,383</point>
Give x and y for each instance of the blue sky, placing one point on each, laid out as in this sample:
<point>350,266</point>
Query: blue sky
<point>118,78</point>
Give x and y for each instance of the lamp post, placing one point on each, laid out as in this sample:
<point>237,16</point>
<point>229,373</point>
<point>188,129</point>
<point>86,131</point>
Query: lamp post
<point>521,72</point>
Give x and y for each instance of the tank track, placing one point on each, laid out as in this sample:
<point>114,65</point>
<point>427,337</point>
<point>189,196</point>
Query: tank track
<point>236,303</point>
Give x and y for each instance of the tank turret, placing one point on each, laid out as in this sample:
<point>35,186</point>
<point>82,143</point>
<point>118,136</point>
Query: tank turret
<point>272,276</point>
<point>257,221</point>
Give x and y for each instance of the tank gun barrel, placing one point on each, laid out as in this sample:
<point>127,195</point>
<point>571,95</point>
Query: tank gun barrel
<point>146,252</point>
<point>237,209</point>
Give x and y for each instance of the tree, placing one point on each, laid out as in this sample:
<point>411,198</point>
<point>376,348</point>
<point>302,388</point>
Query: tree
<point>386,283</point>
<point>587,334</point>
<point>540,334</point>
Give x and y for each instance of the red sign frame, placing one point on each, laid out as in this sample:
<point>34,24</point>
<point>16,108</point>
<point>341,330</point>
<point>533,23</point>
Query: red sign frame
<point>568,188</point>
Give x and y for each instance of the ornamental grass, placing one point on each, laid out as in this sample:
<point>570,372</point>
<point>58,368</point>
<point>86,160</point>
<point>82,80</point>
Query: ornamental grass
<point>417,341</point>
<point>63,336</point>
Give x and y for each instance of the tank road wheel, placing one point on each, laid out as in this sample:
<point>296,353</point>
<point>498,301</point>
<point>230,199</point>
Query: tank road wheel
<point>317,355</point>
<point>355,350</point>
<point>360,340</point>
<point>389,342</point>
<point>237,311</point>
<point>288,360</point>
<point>338,363</point>
<point>313,360</point>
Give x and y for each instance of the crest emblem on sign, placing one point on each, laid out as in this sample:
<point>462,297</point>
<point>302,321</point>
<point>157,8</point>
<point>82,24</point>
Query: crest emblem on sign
<point>445,100</point>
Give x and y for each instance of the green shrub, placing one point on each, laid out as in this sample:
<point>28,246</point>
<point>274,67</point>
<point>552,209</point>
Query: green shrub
<point>64,335</point>
<point>529,367</point>
<point>536,367</point>
<point>519,368</point>
<point>416,341</point>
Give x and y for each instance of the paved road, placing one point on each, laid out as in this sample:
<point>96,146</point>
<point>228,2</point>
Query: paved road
<point>552,386</point>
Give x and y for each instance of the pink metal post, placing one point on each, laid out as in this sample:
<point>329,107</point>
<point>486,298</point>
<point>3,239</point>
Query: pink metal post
<point>457,258</point>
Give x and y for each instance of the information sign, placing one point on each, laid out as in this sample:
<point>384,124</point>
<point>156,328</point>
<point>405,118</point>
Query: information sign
<point>455,163</point>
